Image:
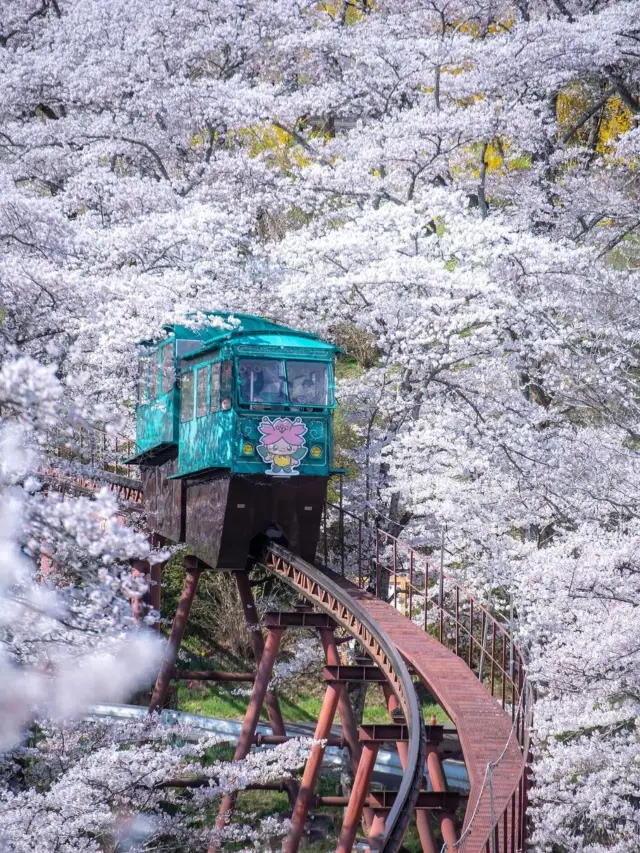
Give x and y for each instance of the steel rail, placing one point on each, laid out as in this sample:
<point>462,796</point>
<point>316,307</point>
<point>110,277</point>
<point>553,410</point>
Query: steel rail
<point>315,585</point>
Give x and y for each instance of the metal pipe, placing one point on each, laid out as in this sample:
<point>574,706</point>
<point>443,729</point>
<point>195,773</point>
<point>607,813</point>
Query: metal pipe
<point>251,717</point>
<point>312,768</point>
<point>211,675</point>
<point>358,798</point>
<point>427,839</point>
<point>178,627</point>
<point>439,783</point>
<point>257,642</point>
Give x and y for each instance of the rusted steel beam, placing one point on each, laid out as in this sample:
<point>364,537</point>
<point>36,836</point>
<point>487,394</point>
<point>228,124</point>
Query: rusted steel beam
<point>384,800</point>
<point>332,740</point>
<point>252,715</point>
<point>140,606</point>
<point>155,590</point>
<point>425,832</point>
<point>274,713</point>
<point>347,717</point>
<point>358,798</point>
<point>387,732</point>
<point>178,627</point>
<point>347,674</point>
<point>211,675</point>
<point>297,619</point>
<point>345,710</point>
<point>312,769</point>
<point>427,800</point>
<point>439,785</point>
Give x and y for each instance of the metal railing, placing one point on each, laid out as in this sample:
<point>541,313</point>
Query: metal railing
<point>417,585</point>
<point>87,458</point>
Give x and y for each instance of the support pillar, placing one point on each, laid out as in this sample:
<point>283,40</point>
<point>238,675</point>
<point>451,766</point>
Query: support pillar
<point>155,591</point>
<point>439,783</point>
<point>139,606</point>
<point>347,716</point>
<point>358,797</point>
<point>274,713</point>
<point>427,839</point>
<point>312,768</point>
<point>177,633</point>
<point>248,730</point>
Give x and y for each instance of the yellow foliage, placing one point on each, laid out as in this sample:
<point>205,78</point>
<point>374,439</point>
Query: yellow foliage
<point>473,28</point>
<point>352,16</point>
<point>497,157</point>
<point>614,119</point>
<point>280,145</point>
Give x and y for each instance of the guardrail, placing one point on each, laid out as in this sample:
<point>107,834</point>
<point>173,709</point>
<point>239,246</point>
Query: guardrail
<point>417,585</point>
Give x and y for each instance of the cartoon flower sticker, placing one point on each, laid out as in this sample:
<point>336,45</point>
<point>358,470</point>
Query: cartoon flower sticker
<point>282,445</point>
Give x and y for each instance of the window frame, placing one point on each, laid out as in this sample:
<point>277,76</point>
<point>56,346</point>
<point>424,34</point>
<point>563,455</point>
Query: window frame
<point>329,399</point>
<point>142,384</point>
<point>201,412</point>
<point>167,373</point>
<point>215,394</point>
<point>249,403</point>
<point>287,402</point>
<point>187,378</point>
<point>154,384</point>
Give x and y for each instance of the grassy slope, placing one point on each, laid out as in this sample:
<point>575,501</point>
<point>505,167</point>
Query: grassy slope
<point>301,706</point>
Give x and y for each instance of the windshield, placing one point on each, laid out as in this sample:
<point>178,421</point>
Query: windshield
<point>269,381</point>
<point>261,381</point>
<point>308,383</point>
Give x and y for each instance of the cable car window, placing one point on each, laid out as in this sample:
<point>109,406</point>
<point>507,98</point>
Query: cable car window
<point>202,387</point>
<point>226,385</point>
<point>143,379</point>
<point>215,387</point>
<point>153,375</point>
<point>186,396</point>
<point>167,367</point>
<point>308,383</point>
<point>262,381</point>
<point>183,347</point>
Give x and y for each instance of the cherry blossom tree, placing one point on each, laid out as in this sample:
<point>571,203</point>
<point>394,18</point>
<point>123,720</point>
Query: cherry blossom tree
<point>453,182</point>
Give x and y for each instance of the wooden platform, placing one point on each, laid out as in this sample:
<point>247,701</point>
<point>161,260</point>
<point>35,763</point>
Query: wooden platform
<point>483,727</point>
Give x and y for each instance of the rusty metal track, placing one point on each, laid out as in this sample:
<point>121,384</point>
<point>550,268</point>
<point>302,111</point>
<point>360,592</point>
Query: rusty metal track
<point>327,595</point>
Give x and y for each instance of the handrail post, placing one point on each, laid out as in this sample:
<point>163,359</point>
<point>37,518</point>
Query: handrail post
<point>441,587</point>
<point>360,553</point>
<point>411,585</point>
<point>326,549</point>
<point>341,528</point>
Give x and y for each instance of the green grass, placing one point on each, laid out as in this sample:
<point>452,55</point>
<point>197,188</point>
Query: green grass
<point>218,701</point>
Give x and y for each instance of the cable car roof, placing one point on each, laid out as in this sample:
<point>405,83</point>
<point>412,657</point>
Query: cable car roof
<point>252,331</point>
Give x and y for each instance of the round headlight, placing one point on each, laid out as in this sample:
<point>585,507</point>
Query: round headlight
<point>316,451</point>
<point>225,404</point>
<point>247,448</point>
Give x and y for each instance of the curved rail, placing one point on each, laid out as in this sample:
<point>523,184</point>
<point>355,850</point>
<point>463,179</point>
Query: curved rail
<point>318,588</point>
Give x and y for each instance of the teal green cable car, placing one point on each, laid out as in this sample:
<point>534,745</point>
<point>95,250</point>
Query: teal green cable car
<point>257,400</point>
<point>234,430</point>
